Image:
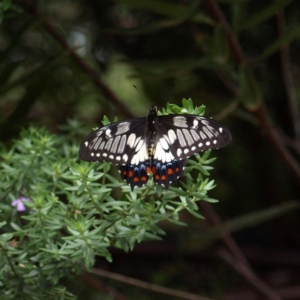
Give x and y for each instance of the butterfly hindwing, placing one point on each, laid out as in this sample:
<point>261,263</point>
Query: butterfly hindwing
<point>135,175</point>
<point>166,173</point>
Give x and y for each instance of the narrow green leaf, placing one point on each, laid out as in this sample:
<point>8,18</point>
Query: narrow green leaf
<point>36,72</point>
<point>249,220</point>
<point>194,213</point>
<point>166,9</point>
<point>250,90</point>
<point>176,222</point>
<point>4,223</point>
<point>238,12</point>
<point>210,200</point>
<point>290,36</point>
<point>265,14</point>
<point>220,48</point>
<point>151,236</point>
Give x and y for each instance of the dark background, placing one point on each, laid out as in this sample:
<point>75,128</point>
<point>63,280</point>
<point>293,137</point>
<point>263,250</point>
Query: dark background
<point>238,58</point>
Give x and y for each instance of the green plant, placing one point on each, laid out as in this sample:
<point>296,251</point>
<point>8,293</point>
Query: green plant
<point>59,213</point>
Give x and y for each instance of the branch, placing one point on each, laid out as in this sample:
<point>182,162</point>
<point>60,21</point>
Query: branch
<point>96,284</point>
<point>214,220</point>
<point>148,286</point>
<point>262,288</point>
<point>218,15</point>
<point>278,143</point>
<point>287,77</point>
<point>261,113</point>
<point>33,9</point>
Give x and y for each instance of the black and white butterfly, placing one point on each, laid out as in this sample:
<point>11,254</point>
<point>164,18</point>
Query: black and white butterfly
<point>154,144</point>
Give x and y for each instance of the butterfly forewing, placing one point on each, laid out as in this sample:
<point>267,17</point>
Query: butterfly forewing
<point>190,134</point>
<point>117,143</point>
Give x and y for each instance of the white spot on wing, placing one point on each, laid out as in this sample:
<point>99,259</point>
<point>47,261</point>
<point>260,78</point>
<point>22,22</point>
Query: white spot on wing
<point>167,139</point>
<point>188,137</point>
<point>108,133</point>
<point>200,145</point>
<point>172,136</point>
<point>207,143</point>
<point>102,145</point>
<point>221,129</point>
<point>86,143</point>
<point>195,123</point>
<point>164,143</point>
<point>98,154</point>
<point>215,142</point>
<point>93,142</point>
<point>108,144</point>
<point>181,138</point>
<point>118,158</point>
<point>125,157</point>
<point>135,159</point>
<point>139,145</point>
<point>179,152</point>
<point>92,154</point>
<point>163,155</point>
<point>195,135</point>
<point>208,132</point>
<point>158,152</point>
<point>122,144</point>
<point>205,122</point>
<point>131,140</point>
<point>123,127</point>
<point>203,136</point>
<point>186,151</point>
<point>143,153</point>
<point>104,154</point>
<point>180,121</point>
<point>193,148</point>
<point>137,140</point>
<point>97,143</point>
<point>100,131</point>
<point>115,144</point>
<point>169,156</point>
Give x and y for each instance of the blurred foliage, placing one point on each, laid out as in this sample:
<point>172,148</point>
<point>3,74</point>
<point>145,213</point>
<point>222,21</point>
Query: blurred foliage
<point>67,59</point>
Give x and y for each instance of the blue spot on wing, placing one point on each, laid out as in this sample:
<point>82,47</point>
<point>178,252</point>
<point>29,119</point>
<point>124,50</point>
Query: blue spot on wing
<point>135,175</point>
<point>163,173</point>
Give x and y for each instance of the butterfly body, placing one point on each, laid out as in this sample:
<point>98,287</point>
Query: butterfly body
<point>157,145</point>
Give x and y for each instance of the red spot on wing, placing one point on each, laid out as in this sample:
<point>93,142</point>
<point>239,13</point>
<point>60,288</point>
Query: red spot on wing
<point>170,171</point>
<point>136,179</point>
<point>148,169</point>
<point>144,178</point>
<point>130,173</point>
<point>157,177</point>
<point>153,170</point>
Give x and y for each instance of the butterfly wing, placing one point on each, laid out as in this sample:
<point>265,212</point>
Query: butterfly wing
<point>186,135</point>
<point>179,137</point>
<point>117,143</point>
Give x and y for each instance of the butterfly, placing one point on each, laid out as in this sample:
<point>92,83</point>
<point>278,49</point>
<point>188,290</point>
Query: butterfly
<point>157,145</point>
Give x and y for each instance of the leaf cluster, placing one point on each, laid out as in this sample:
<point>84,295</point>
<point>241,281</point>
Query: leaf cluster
<point>76,210</point>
